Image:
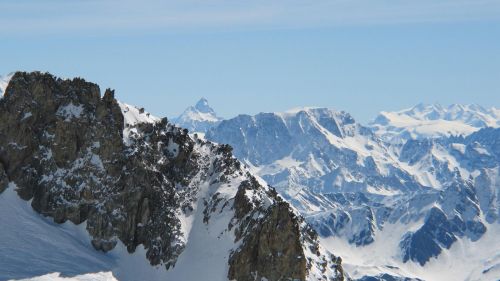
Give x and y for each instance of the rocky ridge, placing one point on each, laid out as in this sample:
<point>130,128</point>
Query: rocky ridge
<point>79,158</point>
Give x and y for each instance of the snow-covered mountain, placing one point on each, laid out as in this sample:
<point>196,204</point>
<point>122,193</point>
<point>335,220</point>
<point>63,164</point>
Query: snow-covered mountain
<point>198,118</point>
<point>94,189</point>
<point>80,172</point>
<point>391,211</point>
<point>315,149</point>
<point>434,120</point>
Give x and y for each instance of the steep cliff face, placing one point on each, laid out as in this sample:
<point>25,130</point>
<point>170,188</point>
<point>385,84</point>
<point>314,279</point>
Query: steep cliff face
<point>142,181</point>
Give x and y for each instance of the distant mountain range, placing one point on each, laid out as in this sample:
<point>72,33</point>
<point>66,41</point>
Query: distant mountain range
<point>418,122</point>
<point>414,192</point>
<point>434,120</point>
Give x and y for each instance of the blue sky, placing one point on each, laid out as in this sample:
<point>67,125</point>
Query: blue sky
<point>362,56</point>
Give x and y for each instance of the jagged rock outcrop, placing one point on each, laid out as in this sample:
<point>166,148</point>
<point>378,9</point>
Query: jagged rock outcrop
<point>272,245</point>
<point>78,157</point>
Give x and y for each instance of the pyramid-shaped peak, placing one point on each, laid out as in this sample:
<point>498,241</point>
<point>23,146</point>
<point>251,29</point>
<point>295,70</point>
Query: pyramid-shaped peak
<point>203,106</point>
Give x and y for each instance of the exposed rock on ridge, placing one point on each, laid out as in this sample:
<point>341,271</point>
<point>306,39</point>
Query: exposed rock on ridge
<point>64,147</point>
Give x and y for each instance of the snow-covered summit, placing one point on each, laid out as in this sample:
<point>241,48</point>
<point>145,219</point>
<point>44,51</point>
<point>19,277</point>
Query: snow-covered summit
<point>198,118</point>
<point>203,106</point>
<point>434,120</point>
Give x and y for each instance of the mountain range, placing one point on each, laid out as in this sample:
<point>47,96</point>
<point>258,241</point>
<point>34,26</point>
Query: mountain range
<point>104,190</point>
<point>434,120</point>
<point>393,204</point>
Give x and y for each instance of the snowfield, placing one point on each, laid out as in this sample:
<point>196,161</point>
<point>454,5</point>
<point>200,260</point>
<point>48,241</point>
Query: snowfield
<point>101,276</point>
<point>434,120</point>
<point>465,260</point>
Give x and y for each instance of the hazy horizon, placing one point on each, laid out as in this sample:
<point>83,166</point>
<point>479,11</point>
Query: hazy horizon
<point>362,57</point>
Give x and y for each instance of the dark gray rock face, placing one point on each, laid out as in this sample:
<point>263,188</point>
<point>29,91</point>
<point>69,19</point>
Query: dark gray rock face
<point>4,181</point>
<point>428,240</point>
<point>279,249</point>
<point>62,144</point>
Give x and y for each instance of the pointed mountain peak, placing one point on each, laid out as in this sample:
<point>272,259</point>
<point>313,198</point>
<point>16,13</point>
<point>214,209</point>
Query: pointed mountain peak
<point>202,106</point>
<point>198,118</point>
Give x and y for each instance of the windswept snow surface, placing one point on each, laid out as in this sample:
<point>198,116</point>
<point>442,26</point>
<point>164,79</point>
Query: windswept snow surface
<point>34,246</point>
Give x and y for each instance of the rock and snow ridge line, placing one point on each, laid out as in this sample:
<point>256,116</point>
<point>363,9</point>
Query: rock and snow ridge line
<point>181,193</point>
<point>420,121</point>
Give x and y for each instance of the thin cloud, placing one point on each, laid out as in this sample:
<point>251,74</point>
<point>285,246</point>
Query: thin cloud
<point>55,16</point>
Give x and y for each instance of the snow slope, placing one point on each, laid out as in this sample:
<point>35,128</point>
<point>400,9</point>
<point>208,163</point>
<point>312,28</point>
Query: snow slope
<point>133,115</point>
<point>67,249</point>
<point>38,246</point>
<point>4,81</point>
<point>101,276</point>
<point>434,120</point>
<point>465,260</point>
